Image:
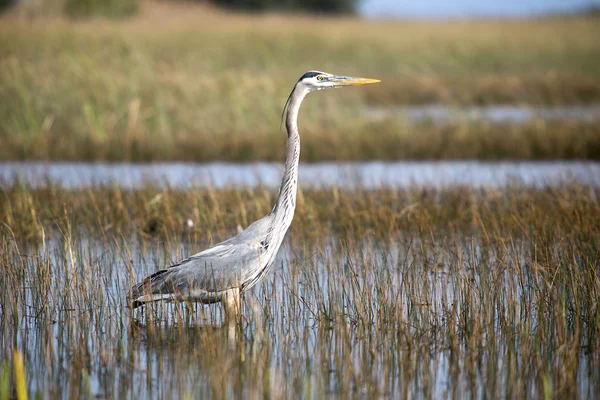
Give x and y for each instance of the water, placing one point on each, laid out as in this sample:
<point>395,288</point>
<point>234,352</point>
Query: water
<point>471,8</point>
<point>370,175</point>
<point>412,308</point>
<point>79,340</point>
<point>492,113</point>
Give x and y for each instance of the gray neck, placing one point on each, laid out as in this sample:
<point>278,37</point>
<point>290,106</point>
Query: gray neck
<point>286,202</point>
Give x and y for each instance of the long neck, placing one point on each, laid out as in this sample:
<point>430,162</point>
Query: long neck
<point>286,202</point>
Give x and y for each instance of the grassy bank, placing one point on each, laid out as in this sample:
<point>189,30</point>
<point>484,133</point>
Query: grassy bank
<point>407,293</point>
<point>190,83</point>
<point>377,140</point>
<point>152,212</point>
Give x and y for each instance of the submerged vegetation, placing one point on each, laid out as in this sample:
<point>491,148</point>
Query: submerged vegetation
<point>407,293</point>
<point>184,82</point>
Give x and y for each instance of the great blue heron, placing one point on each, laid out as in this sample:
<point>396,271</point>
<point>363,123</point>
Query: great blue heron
<point>224,271</point>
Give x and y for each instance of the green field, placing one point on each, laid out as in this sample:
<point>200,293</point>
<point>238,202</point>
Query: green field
<point>192,83</point>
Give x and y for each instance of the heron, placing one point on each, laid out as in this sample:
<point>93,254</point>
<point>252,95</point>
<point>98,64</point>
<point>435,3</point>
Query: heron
<point>228,269</point>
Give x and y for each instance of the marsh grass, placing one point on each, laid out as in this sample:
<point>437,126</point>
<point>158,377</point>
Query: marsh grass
<point>427,293</point>
<point>191,83</point>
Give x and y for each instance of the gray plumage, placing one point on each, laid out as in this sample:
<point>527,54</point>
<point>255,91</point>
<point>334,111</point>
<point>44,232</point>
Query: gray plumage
<point>224,271</point>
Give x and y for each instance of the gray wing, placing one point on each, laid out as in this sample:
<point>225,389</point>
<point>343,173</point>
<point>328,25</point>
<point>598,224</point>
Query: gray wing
<point>206,274</point>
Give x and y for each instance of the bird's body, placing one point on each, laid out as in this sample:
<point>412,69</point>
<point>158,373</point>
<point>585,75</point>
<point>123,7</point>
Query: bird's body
<point>209,276</point>
<point>226,270</point>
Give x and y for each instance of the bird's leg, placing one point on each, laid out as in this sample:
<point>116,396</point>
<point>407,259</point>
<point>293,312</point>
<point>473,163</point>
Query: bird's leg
<point>232,303</point>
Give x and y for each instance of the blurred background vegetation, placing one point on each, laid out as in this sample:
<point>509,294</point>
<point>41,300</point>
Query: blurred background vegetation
<point>125,8</point>
<point>320,6</point>
<point>192,81</point>
<point>121,8</point>
<point>109,8</point>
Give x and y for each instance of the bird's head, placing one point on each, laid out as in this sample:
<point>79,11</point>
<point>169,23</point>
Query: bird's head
<point>317,80</point>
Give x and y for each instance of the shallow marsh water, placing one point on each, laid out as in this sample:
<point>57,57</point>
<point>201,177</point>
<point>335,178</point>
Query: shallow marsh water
<point>367,175</point>
<point>415,317</point>
<point>441,113</point>
<point>455,292</point>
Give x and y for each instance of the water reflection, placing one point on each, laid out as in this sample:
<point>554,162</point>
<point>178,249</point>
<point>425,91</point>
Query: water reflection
<point>492,113</point>
<point>370,175</point>
<point>419,316</point>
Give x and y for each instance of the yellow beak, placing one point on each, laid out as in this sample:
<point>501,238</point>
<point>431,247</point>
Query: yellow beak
<point>350,81</point>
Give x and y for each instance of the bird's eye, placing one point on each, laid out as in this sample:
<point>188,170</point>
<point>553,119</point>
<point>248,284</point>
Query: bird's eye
<point>319,78</point>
